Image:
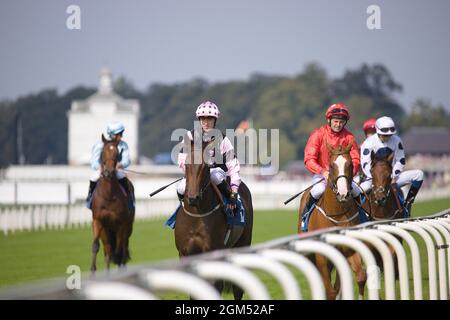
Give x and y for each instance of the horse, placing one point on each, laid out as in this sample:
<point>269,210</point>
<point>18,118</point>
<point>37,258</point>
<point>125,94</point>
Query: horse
<point>112,219</point>
<point>336,208</point>
<point>383,202</point>
<point>201,223</point>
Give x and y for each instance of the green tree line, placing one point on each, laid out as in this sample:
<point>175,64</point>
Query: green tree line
<point>294,105</point>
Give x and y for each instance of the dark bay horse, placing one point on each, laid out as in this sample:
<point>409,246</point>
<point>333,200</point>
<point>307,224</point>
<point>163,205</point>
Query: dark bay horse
<point>112,220</point>
<point>383,202</point>
<point>336,208</point>
<point>201,223</point>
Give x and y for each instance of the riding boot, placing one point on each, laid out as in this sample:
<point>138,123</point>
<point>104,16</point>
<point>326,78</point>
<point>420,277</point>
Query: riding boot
<point>415,187</point>
<point>224,189</point>
<point>124,183</point>
<point>92,185</point>
<point>309,204</point>
<point>363,215</point>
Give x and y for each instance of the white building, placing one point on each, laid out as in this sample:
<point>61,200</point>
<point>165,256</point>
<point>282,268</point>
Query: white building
<point>88,119</point>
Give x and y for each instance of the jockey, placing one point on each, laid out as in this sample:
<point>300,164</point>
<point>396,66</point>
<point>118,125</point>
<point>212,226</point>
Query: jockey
<point>316,153</point>
<point>369,127</point>
<point>114,132</point>
<point>386,141</point>
<point>208,113</point>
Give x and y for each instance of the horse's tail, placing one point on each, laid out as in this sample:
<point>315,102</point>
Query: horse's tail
<point>119,254</point>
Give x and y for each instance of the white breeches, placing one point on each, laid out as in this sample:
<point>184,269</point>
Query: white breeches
<point>217,176</point>
<point>120,174</point>
<point>319,188</point>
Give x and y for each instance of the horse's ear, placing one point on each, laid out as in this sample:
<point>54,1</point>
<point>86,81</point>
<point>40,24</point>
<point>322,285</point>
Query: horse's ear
<point>103,139</point>
<point>116,140</point>
<point>372,155</point>
<point>390,157</point>
<point>188,136</point>
<point>205,144</point>
<point>348,148</point>
<point>329,148</point>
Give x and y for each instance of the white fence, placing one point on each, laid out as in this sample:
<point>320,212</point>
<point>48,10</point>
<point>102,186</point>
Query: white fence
<point>44,216</point>
<point>41,216</point>
<point>192,275</point>
<point>29,217</point>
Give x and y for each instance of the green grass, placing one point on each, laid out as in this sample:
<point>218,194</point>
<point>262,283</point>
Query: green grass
<point>28,256</point>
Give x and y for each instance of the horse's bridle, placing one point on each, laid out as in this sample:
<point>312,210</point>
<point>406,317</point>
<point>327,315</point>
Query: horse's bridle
<point>202,190</point>
<point>381,190</point>
<point>387,196</point>
<point>333,183</point>
<point>200,196</point>
<point>106,173</point>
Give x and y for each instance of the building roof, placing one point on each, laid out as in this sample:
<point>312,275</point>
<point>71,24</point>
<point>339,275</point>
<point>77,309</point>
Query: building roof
<point>427,140</point>
<point>105,94</point>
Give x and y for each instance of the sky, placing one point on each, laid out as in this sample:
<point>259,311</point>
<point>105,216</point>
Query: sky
<point>174,41</point>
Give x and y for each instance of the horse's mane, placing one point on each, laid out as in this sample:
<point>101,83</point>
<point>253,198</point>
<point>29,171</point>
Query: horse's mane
<point>382,157</point>
<point>381,160</point>
<point>340,151</point>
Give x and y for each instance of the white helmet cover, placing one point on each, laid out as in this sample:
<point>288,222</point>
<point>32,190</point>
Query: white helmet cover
<point>207,109</point>
<point>385,126</point>
<point>115,128</point>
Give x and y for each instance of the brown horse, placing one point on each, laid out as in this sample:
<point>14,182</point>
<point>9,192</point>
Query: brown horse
<point>336,208</point>
<point>383,201</point>
<point>201,223</point>
<point>112,219</point>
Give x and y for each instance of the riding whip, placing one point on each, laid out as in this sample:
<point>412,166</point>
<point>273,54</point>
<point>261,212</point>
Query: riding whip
<point>162,188</point>
<point>295,196</point>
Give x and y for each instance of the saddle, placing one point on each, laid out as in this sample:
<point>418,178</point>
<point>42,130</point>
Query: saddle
<point>362,215</point>
<point>235,222</point>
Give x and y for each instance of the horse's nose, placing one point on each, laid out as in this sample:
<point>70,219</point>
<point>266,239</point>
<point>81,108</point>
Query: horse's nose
<point>193,201</point>
<point>343,198</point>
<point>381,202</point>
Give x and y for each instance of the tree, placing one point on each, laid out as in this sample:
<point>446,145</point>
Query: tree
<point>374,82</point>
<point>294,105</point>
<point>125,88</point>
<point>424,114</point>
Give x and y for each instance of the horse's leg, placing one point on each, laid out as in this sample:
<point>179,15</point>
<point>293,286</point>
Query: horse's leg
<point>337,284</point>
<point>125,254</point>
<point>106,249</point>
<point>122,245</point>
<point>237,292</point>
<point>355,262</point>
<point>95,244</point>
<point>219,284</point>
<point>322,265</point>
<point>395,260</point>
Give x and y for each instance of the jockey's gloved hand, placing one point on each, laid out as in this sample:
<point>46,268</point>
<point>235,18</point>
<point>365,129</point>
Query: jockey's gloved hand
<point>233,200</point>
